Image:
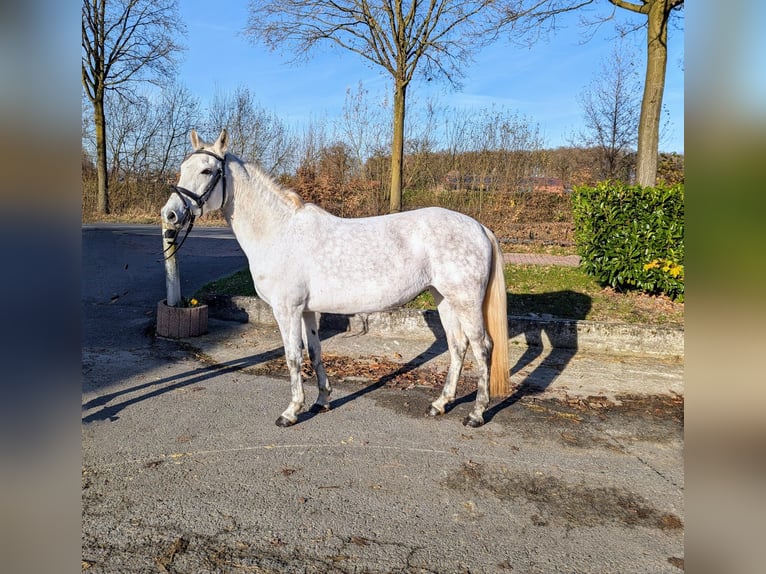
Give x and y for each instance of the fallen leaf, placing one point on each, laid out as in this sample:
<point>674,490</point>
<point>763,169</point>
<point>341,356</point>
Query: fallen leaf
<point>165,559</point>
<point>570,438</point>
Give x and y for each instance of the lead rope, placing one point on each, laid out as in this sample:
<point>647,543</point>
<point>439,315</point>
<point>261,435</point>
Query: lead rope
<point>199,200</point>
<point>172,234</point>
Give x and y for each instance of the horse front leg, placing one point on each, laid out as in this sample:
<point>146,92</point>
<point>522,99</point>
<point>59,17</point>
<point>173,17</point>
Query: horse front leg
<point>289,321</point>
<point>311,338</point>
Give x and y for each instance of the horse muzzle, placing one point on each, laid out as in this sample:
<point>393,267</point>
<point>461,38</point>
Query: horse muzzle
<point>175,217</point>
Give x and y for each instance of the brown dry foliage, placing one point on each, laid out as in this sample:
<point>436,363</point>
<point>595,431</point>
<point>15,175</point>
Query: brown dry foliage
<point>330,181</point>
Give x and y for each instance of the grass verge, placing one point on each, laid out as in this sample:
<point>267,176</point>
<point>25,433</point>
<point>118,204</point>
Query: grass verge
<point>544,291</point>
<point>239,283</point>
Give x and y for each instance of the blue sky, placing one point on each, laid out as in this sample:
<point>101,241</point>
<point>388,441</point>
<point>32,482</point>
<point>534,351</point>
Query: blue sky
<point>541,83</point>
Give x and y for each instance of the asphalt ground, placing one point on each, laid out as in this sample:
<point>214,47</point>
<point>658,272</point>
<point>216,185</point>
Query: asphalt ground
<point>579,469</point>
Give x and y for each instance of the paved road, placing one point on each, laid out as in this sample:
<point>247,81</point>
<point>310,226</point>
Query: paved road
<point>541,259</point>
<point>184,470</point>
<point>123,275</point>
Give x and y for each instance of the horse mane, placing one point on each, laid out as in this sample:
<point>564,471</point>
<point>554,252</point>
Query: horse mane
<point>283,195</point>
<point>293,197</point>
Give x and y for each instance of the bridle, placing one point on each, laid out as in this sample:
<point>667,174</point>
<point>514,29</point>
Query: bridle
<point>188,197</point>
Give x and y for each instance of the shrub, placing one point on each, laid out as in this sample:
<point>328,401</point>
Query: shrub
<point>632,237</point>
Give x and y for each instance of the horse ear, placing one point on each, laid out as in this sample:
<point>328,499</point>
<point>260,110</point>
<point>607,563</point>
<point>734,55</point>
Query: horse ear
<point>195,141</point>
<point>222,142</point>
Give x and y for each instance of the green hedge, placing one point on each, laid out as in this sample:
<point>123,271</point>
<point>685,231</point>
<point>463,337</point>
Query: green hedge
<point>631,237</point>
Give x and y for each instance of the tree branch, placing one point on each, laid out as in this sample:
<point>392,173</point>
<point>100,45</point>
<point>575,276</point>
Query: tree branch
<point>642,8</point>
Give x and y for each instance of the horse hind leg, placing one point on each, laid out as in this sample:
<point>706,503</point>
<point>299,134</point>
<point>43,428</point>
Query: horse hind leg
<point>311,338</point>
<point>457,343</point>
<point>467,320</point>
<point>481,345</point>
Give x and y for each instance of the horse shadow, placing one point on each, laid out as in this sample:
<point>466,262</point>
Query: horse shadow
<point>555,338</point>
<point>155,388</point>
<point>560,333</point>
<point>329,326</point>
<point>109,410</point>
<point>332,325</point>
<point>562,341</point>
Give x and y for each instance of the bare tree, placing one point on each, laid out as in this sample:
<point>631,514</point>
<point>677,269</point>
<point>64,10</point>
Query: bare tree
<point>254,132</point>
<point>361,125</point>
<point>540,16</point>
<point>123,41</point>
<point>433,38</point>
<point>420,145</point>
<point>177,113</point>
<point>610,106</point>
<point>656,15</point>
<point>147,132</point>
<point>131,124</point>
<point>490,147</point>
<point>312,141</point>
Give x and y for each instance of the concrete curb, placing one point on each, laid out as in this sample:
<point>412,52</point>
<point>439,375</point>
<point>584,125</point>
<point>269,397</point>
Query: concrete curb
<point>667,342</point>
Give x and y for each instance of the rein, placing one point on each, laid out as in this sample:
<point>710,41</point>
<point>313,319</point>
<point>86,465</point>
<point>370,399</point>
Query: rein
<point>188,197</point>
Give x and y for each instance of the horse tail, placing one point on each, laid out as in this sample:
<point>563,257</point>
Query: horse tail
<point>495,309</point>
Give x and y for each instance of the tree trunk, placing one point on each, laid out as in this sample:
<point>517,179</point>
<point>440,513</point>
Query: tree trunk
<point>102,204</point>
<point>397,150</point>
<point>654,87</point>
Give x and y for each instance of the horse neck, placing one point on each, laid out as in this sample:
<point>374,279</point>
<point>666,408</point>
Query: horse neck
<point>258,206</point>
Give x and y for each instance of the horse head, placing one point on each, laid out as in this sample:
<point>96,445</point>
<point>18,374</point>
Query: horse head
<point>202,184</point>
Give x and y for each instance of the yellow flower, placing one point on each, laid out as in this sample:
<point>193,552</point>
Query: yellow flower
<point>676,270</point>
<point>653,265</point>
<point>193,302</point>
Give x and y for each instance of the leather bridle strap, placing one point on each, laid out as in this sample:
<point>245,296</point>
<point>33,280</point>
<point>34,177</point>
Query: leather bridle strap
<point>188,196</point>
<point>200,200</point>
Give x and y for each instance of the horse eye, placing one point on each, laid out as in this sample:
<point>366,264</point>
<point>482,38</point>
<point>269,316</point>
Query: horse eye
<point>207,171</point>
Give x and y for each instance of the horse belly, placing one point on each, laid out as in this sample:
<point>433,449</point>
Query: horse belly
<point>357,289</point>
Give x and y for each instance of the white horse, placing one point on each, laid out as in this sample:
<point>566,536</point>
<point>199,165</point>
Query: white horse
<point>304,260</point>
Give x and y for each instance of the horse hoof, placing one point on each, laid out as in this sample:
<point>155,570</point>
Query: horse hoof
<point>471,422</point>
<point>434,412</point>
<point>284,422</point>
<point>318,409</point>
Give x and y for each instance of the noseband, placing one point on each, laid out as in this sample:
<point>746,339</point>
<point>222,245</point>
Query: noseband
<point>188,197</point>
